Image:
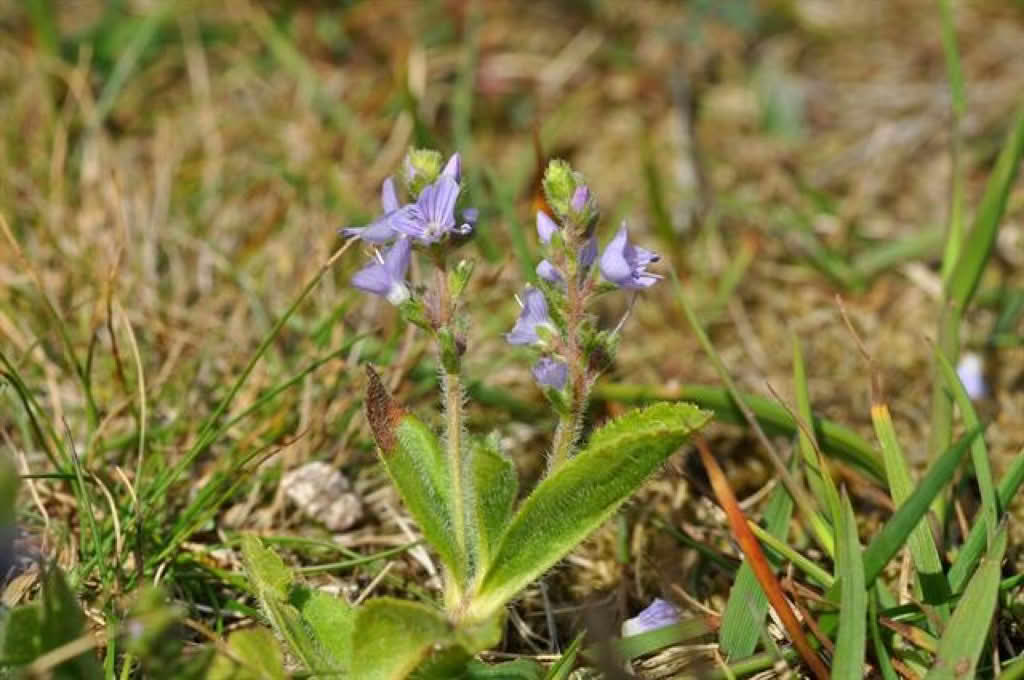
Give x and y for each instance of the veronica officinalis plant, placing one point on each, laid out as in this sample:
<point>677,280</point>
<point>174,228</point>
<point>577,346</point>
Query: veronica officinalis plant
<point>463,490</point>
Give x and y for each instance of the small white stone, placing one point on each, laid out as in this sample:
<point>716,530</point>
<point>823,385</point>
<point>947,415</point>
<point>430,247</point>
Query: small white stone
<point>322,493</point>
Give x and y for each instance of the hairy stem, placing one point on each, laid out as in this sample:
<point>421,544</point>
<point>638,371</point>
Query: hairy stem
<point>452,396</point>
<point>569,424</point>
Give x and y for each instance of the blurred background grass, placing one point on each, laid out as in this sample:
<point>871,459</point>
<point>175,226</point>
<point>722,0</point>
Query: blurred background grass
<point>173,174</point>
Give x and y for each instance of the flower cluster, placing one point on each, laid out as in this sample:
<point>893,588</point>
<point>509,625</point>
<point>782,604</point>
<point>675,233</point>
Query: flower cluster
<point>428,219</point>
<point>553,319</point>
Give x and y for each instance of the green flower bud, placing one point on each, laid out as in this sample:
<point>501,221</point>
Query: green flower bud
<point>420,168</point>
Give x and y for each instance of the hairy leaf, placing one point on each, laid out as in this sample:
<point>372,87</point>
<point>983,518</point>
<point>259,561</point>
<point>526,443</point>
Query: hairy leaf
<point>395,638</point>
<point>495,487</point>
<point>258,657</point>
<point>418,467</point>
<point>580,495</point>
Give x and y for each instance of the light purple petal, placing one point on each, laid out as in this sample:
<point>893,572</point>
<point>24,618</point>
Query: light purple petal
<point>388,196</point>
<point>614,266</point>
<point>624,265</point>
<point>396,261</point>
<point>580,197</point>
<point>453,168</point>
<point>374,278</point>
<point>386,277</point>
<point>658,615</point>
<point>409,220</point>
<point>546,227</point>
<point>436,204</point>
<point>471,215</point>
<point>551,372</point>
<point>534,313</point>
<point>969,370</point>
<point>379,231</point>
<point>547,271</point>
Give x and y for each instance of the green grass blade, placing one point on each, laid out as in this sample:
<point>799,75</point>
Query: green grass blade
<point>958,107</point>
<point>853,599</point>
<point>834,439</point>
<point>783,550</point>
<point>882,656</point>
<point>930,577</point>
<point>964,279</point>
<point>964,638</point>
<point>642,644</point>
<point>747,606</point>
<point>974,546</point>
<point>887,542</point>
<point>978,245</point>
<point>819,528</point>
<point>816,472</point>
<point>581,495</point>
<point>990,508</point>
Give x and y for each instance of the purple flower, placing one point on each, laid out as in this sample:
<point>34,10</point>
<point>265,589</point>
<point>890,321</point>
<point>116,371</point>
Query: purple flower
<point>432,217</point>
<point>546,227</point>
<point>534,313</point>
<point>658,615</point>
<point>386,277</point>
<point>380,230</point>
<point>551,372</point>
<point>625,265</point>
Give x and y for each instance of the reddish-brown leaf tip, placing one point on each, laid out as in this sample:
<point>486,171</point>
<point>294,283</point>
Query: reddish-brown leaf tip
<point>382,411</point>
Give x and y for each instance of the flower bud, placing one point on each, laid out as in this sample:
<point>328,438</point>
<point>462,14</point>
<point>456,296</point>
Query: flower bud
<point>560,182</point>
<point>459,277</point>
<point>420,168</point>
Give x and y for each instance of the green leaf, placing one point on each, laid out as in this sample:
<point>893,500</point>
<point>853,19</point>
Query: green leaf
<point>419,469</point>
<point>581,494</point>
<point>270,576</point>
<point>331,620</point>
<point>519,669</point>
<point>64,622</point>
<point>23,639</point>
<point>495,488</point>
<point>851,642</point>
<point>894,533</point>
<point>931,578</point>
<point>259,655</point>
<point>282,600</point>
<point>744,613</point>
<point>964,638</point>
<point>394,638</point>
